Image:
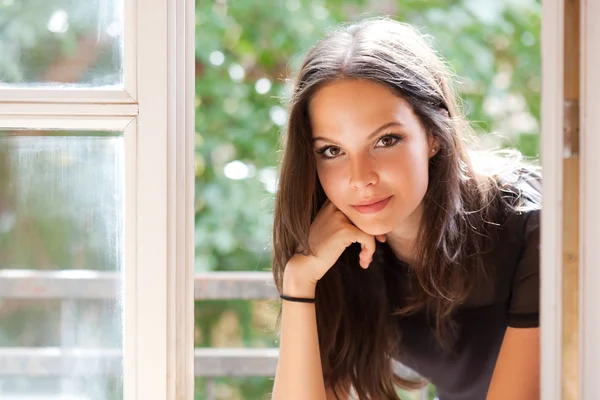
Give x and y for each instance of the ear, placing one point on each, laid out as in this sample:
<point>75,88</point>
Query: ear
<point>433,145</point>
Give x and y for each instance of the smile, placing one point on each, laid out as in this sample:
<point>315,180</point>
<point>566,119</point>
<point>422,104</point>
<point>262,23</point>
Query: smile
<point>373,207</point>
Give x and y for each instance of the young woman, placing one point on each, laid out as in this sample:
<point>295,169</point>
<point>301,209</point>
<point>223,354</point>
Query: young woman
<point>392,243</point>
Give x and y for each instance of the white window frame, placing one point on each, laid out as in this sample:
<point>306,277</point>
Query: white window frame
<point>552,229</point>
<point>551,221</point>
<point>155,110</point>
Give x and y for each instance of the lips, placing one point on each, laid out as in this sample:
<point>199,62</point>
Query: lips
<point>372,206</point>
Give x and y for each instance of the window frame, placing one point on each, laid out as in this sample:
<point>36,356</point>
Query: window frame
<point>155,111</point>
<point>551,149</point>
<point>553,153</point>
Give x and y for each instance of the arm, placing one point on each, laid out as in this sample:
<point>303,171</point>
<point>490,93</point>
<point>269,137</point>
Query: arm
<point>517,372</point>
<point>299,374</point>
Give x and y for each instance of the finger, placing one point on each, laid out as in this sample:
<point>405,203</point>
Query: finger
<point>364,253</point>
<point>364,260</point>
<point>368,247</point>
<point>367,243</point>
<point>381,238</point>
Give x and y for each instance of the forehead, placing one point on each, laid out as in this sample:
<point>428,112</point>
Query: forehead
<point>356,104</point>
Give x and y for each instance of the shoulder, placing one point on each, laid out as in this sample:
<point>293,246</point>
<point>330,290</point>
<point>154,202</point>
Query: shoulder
<point>515,182</point>
<point>521,194</point>
<point>516,200</point>
<point>520,191</point>
<point>511,255</point>
<point>514,206</point>
<point>521,188</point>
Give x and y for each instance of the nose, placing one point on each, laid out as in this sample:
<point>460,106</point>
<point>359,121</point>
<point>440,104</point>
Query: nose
<point>362,173</point>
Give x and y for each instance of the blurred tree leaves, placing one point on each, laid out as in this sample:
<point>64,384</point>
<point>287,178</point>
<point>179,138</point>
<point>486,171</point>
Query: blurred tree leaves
<point>81,38</point>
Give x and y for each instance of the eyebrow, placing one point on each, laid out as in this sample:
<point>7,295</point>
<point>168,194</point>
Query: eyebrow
<point>371,136</point>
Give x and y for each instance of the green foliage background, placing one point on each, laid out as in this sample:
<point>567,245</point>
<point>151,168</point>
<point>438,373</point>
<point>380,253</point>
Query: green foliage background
<point>492,46</point>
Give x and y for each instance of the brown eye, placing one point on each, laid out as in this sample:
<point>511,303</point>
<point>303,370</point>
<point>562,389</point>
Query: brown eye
<point>333,151</point>
<point>388,141</point>
<point>330,152</point>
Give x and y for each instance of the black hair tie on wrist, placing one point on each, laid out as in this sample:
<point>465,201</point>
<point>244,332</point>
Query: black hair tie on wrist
<point>297,299</point>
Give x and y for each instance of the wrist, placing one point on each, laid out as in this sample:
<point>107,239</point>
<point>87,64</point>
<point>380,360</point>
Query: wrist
<point>295,280</point>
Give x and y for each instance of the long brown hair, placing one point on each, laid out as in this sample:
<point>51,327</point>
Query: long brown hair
<point>357,337</point>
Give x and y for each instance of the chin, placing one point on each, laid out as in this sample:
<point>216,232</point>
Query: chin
<point>374,228</point>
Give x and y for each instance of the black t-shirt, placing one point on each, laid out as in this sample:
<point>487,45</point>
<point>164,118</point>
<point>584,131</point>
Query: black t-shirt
<point>508,297</point>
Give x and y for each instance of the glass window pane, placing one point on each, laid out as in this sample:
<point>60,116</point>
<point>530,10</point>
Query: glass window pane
<point>61,262</point>
<point>61,42</point>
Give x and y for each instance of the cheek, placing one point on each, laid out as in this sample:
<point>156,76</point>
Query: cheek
<point>408,176</point>
<point>405,167</point>
<point>332,180</point>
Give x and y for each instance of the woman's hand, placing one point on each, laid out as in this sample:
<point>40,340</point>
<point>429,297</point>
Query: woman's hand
<point>330,234</point>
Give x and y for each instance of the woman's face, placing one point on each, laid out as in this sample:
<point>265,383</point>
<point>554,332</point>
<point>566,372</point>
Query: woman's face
<point>372,154</point>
